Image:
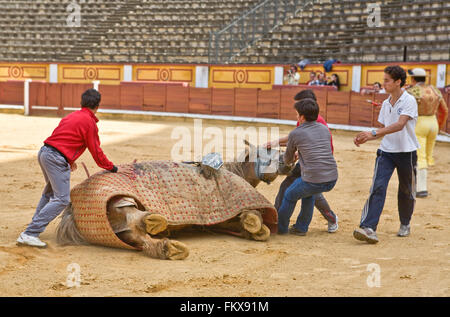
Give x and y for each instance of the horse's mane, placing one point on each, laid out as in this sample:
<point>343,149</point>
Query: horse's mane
<point>236,168</point>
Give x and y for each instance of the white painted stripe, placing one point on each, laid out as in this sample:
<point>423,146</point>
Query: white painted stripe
<point>11,107</point>
<point>44,108</point>
<point>413,185</point>
<point>366,205</point>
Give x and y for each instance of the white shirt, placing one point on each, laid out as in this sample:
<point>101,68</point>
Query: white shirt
<point>293,79</point>
<point>404,140</point>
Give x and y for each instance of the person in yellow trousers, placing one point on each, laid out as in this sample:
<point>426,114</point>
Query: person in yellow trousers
<point>433,113</point>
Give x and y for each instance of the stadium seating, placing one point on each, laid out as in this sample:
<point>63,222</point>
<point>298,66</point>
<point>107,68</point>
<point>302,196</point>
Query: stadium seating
<point>409,30</point>
<point>178,31</point>
<point>114,31</point>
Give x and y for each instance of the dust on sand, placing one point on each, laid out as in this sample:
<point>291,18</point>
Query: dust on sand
<point>319,264</point>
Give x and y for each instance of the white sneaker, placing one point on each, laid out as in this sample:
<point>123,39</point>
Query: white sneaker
<point>25,239</point>
<point>404,231</point>
<point>333,227</point>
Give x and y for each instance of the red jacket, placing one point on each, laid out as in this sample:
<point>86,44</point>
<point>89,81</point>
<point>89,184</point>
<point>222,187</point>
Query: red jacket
<point>322,120</point>
<point>74,133</point>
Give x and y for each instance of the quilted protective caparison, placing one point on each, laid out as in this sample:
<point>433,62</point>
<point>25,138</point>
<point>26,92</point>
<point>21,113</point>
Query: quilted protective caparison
<point>175,190</point>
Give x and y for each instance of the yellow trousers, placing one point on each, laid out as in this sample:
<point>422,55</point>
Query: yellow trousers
<point>427,129</point>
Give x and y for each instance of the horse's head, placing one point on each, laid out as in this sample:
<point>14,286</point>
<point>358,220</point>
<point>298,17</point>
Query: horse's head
<point>269,163</point>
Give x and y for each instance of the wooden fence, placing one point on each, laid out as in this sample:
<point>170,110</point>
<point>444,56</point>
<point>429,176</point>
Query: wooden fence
<point>336,107</point>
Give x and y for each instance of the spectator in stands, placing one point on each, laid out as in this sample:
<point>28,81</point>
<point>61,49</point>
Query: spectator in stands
<point>313,79</point>
<point>398,115</point>
<point>378,89</point>
<point>293,76</point>
<point>447,89</point>
<point>431,103</point>
<point>334,81</point>
<point>57,157</point>
<point>322,79</point>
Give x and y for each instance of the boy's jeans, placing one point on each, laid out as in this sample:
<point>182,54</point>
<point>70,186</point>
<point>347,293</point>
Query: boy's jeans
<point>56,194</point>
<point>304,191</point>
<point>320,202</point>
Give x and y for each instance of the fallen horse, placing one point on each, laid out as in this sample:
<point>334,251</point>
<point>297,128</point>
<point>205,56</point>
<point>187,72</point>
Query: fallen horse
<point>136,212</point>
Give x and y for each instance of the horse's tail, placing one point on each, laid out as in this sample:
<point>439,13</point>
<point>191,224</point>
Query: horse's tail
<point>67,231</point>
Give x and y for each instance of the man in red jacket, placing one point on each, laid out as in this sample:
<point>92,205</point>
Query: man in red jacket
<point>57,157</point>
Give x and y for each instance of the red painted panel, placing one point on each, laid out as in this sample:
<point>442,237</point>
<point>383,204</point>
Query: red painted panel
<point>177,99</point>
<point>54,95</point>
<point>222,101</point>
<point>154,97</point>
<point>246,102</point>
<point>287,110</point>
<point>269,102</point>
<point>360,110</point>
<point>200,100</point>
<point>338,105</point>
<point>38,94</point>
<point>131,97</point>
<point>110,96</point>
<point>11,92</point>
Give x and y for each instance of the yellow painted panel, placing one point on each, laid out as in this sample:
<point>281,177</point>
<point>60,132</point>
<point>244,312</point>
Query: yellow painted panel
<point>34,72</point>
<point>375,75</point>
<point>165,73</point>
<point>262,76</point>
<point>108,74</point>
<point>223,76</point>
<point>181,75</point>
<point>79,73</point>
<point>4,71</point>
<point>235,76</point>
<point>73,73</point>
<point>448,75</point>
<point>18,71</point>
<point>147,74</point>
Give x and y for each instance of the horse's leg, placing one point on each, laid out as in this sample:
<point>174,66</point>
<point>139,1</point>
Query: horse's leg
<point>164,249</point>
<point>249,224</point>
<point>155,248</point>
<point>251,220</point>
<point>253,226</point>
<point>155,223</point>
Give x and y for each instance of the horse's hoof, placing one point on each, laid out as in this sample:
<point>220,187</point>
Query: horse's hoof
<point>251,222</point>
<point>263,234</point>
<point>155,224</point>
<point>175,250</point>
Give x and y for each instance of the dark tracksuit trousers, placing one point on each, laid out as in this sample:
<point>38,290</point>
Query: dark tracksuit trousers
<point>385,164</point>
<point>320,202</point>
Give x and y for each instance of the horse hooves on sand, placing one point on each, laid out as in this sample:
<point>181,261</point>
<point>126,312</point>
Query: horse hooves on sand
<point>155,224</point>
<point>263,234</point>
<point>175,250</point>
<point>251,222</point>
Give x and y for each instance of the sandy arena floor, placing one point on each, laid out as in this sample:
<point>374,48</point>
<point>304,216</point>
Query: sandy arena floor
<point>319,264</point>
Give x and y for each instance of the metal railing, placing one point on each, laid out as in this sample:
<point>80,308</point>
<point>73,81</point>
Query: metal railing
<point>243,32</point>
